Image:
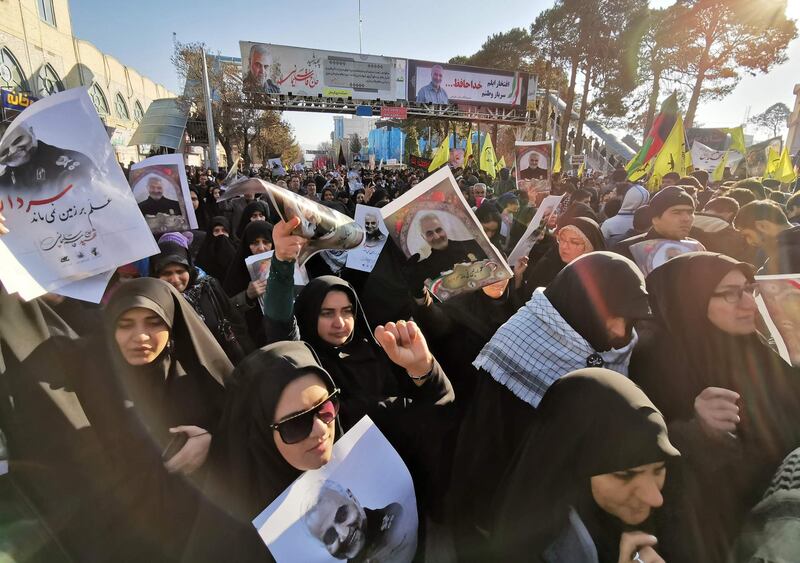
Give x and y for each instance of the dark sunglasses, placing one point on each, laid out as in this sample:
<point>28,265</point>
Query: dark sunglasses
<point>298,427</point>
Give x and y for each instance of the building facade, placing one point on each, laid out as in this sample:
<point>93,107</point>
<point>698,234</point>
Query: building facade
<point>39,56</point>
<point>793,139</point>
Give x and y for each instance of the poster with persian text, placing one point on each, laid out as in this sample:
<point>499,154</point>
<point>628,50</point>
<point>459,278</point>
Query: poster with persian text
<point>68,207</point>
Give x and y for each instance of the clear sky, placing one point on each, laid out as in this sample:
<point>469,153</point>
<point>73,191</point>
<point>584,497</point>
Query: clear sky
<point>140,35</point>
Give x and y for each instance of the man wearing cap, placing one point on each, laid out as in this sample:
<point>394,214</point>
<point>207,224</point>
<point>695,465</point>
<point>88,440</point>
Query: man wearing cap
<point>671,217</point>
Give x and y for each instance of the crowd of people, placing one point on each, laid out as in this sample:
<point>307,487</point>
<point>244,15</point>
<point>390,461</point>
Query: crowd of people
<point>580,412</point>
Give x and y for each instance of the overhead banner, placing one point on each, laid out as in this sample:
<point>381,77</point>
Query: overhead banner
<point>436,83</point>
<point>280,69</point>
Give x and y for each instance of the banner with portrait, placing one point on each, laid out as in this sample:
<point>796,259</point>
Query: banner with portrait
<point>650,254</point>
<point>436,229</point>
<point>365,256</point>
<point>779,304</point>
<point>69,209</point>
<point>360,506</point>
<point>161,190</point>
<point>534,166</point>
<point>280,69</point>
<point>324,228</point>
<point>442,84</point>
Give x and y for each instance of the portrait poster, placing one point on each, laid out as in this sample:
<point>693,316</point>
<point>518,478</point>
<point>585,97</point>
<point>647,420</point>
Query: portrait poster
<point>650,254</point>
<point>779,304</point>
<point>365,256</point>
<point>534,166</point>
<point>436,229</point>
<point>360,506</point>
<point>547,209</point>
<point>161,190</point>
<point>258,266</point>
<point>69,209</point>
<point>756,156</point>
<point>325,228</point>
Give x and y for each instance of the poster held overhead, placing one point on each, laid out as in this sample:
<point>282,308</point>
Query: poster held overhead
<point>779,304</point>
<point>324,228</point>
<point>436,229</point>
<point>68,207</point>
<point>365,490</point>
<point>365,256</point>
<point>533,165</point>
<point>161,190</point>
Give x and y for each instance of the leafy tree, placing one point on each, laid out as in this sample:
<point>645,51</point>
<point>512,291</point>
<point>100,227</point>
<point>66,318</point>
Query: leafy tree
<point>355,144</point>
<point>773,119</point>
<point>728,38</point>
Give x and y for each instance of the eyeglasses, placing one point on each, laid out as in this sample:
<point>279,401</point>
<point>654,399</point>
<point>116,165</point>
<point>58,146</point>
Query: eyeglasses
<point>734,295</point>
<point>571,242</point>
<point>298,427</point>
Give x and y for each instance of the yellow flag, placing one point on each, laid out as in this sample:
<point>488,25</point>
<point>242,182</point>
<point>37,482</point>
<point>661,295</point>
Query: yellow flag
<point>488,158</point>
<point>557,162</point>
<point>581,169</point>
<point>737,139</point>
<point>468,150</point>
<point>671,157</point>
<point>785,170</point>
<point>442,155</point>
<point>501,163</point>
<point>773,161</point>
<point>719,171</point>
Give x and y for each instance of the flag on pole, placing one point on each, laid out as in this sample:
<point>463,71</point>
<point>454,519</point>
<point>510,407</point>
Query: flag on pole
<point>488,160</point>
<point>671,157</point>
<point>442,155</point>
<point>662,126</point>
<point>557,162</point>
<point>581,168</point>
<point>785,172</point>
<point>719,171</point>
<point>773,161</point>
<point>737,139</point>
<point>501,163</point>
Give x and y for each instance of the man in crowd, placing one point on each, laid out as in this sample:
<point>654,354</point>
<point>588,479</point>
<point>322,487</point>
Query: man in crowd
<point>433,93</point>
<point>765,226</point>
<point>156,201</point>
<point>713,227</point>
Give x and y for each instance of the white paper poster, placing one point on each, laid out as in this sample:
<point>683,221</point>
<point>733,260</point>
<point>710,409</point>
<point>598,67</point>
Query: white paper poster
<point>365,256</point>
<point>161,190</point>
<point>779,304</point>
<point>650,254</point>
<point>68,206</point>
<point>547,209</point>
<point>361,506</point>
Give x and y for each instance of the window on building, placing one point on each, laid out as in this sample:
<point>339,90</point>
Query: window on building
<point>121,107</point>
<point>46,11</point>
<point>138,112</point>
<point>49,82</point>
<point>99,100</point>
<point>11,75</point>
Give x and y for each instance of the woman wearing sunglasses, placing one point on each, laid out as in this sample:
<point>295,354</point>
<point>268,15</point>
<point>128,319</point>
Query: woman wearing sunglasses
<point>732,405</point>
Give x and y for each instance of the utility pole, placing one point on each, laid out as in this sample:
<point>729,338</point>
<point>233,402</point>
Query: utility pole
<point>212,139</point>
<point>360,52</point>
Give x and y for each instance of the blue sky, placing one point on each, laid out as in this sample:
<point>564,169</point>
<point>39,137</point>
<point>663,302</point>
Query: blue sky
<point>140,35</point>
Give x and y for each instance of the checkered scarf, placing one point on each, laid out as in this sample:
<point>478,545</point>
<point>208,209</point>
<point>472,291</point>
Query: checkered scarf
<point>536,347</point>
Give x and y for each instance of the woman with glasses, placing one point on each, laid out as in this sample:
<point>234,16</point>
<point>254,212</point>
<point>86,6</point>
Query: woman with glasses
<point>575,237</point>
<point>732,405</point>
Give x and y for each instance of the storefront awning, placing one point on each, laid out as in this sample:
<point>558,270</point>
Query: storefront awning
<point>162,125</point>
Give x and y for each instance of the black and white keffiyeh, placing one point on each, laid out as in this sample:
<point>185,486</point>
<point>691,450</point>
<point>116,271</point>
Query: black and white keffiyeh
<point>537,346</point>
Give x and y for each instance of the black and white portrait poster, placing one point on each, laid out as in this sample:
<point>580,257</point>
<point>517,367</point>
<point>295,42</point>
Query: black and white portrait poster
<point>161,189</point>
<point>361,506</point>
<point>365,256</point>
<point>534,166</point>
<point>434,226</point>
<point>68,206</point>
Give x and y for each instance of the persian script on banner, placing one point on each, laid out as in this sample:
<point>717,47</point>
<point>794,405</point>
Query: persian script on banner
<point>68,206</point>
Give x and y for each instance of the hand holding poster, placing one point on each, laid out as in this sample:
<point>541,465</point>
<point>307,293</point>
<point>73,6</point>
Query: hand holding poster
<point>258,267</point>
<point>435,227</point>
<point>547,210</point>
<point>68,207</point>
<point>533,166</point>
<point>650,254</point>
<point>365,256</point>
<point>779,303</point>
<point>162,191</point>
<point>322,226</point>
<point>360,506</point>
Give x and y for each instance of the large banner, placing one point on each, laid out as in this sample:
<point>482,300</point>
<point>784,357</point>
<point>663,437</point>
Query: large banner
<point>436,83</point>
<point>68,206</point>
<point>713,138</point>
<point>279,69</point>
<point>708,159</point>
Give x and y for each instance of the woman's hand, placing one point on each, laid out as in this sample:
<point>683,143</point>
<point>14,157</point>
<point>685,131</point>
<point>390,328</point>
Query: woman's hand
<point>287,246</point>
<point>193,454</point>
<point>638,547</point>
<point>256,289</point>
<point>369,191</point>
<point>519,271</point>
<point>3,228</point>
<point>717,411</point>
<point>405,345</point>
